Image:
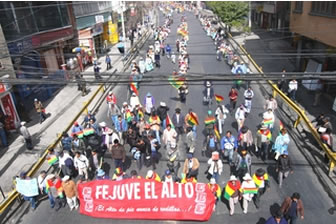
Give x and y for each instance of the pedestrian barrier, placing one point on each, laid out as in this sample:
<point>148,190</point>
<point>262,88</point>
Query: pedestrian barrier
<point>301,113</point>
<point>14,194</point>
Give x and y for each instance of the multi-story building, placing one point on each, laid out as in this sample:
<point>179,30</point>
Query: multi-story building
<point>313,25</point>
<point>38,35</point>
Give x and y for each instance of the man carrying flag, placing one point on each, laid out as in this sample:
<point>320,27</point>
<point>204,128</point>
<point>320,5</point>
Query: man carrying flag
<point>210,121</point>
<point>218,98</point>
<point>191,120</point>
<point>248,189</point>
<point>263,139</point>
<point>232,192</point>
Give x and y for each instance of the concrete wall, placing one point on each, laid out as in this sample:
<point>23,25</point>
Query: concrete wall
<point>5,58</point>
<point>318,28</point>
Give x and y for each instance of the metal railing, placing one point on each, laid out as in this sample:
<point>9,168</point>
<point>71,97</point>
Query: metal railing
<point>12,196</point>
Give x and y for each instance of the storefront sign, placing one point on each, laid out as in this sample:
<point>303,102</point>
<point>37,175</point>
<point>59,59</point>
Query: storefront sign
<point>10,111</point>
<point>20,46</point>
<point>145,199</point>
<point>97,29</point>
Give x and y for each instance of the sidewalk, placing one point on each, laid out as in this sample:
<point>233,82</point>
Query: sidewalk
<point>62,108</point>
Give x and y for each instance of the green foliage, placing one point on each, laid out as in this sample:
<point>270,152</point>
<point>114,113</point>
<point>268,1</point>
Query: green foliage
<point>231,13</point>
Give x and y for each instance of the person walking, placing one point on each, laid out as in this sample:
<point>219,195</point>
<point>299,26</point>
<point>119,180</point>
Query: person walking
<point>281,143</point>
<point>228,146</point>
<point>277,218</point>
<point>108,62</point>
<point>26,135</point>
<point>245,138</point>
<point>232,192</point>
<point>169,138</point>
<point>261,180</point>
<point>121,127</point>
<point>178,121</point>
<point>240,116</point>
<point>215,189</point>
<point>248,94</point>
<point>263,139</point>
<point>154,146</point>
<point>248,190</point>
<point>118,154</point>
<point>221,114</point>
<point>81,164</point>
<point>96,70</point>
<point>268,119</point>
<point>40,110</point>
<point>55,191</point>
<point>162,112</point>
<point>215,166</point>
<point>292,208</point>
<point>70,191</point>
<point>292,88</point>
<point>271,103</point>
<point>233,95</point>
<point>243,163</point>
<point>190,166</point>
<point>284,166</point>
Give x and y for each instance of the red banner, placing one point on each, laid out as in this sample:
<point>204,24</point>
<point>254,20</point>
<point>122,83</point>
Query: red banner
<point>145,199</point>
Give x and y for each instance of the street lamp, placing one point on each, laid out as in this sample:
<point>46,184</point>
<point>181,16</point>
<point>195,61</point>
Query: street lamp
<point>122,9</point>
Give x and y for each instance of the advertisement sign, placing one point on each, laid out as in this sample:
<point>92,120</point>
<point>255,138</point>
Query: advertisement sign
<point>10,111</point>
<point>20,46</point>
<point>97,29</point>
<point>99,18</point>
<point>28,188</point>
<point>146,199</point>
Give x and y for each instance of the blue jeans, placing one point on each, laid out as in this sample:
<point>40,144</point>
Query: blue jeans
<point>51,200</point>
<point>194,131</point>
<point>157,134</point>
<point>32,201</point>
<point>3,137</point>
<point>118,163</point>
<point>216,176</point>
<point>164,124</point>
<point>292,94</point>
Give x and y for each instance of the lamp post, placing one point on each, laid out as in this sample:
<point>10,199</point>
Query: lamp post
<point>122,8</point>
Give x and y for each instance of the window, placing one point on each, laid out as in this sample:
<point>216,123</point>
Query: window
<point>298,7</point>
<point>323,9</point>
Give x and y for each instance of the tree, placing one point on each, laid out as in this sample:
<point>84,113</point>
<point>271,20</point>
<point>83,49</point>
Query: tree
<point>230,13</point>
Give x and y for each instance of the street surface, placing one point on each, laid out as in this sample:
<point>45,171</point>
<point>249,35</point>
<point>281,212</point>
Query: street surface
<point>316,202</point>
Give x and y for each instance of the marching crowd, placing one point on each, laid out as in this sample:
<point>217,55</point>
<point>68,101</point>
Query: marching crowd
<point>145,129</point>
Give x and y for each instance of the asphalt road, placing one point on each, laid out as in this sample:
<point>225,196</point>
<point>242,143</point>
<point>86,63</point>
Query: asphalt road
<point>304,181</point>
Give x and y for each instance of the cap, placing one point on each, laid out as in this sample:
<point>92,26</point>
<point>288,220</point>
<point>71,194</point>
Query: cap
<point>260,172</point>
<point>23,123</point>
<point>76,123</point>
<point>212,181</point>
<point>232,178</point>
<point>100,172</point>
<point>65,178</point>
<point>150,173</point>
<point>163,104</point>
<point>247,177</point>
<point>167,172</point>
<point>189,155</point>
<point>124,103</point>
<point>149,94</point>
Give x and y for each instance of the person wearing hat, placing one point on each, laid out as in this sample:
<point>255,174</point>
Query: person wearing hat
<point>168,177</point>
<point>292,207</point>
<point>271,103</point>
<point>243,163</point>
<point>101,175</point>
<point>263,139</point>
<point>240,116</point>
<point>232,192</point>
<point>108,62</point>
<point>221,114</point>
<point>54,190</point>
<point>149,62</point>
<point>151,175</point>
<point>284,166</point>
<point>248,94</point>
<point>88,117</point>
<point>191,166</point>
<point>215,166</point>
<point>119,174</point>
<point>248,190</point>
<point>169,138</point>
<point>149,103</point>
<point>154,121</point>
<point>187,120</point>
<point>76,129</point>
<point>208,93</point>
<point>268,119</point>
<point>26,135</point>
<point>261,180</point>
<point>162,112</point>
<point>31,199</point>
<point>190,140</point>
<point>113,108</point>
<point>70,191</point>
<point>178,121</point>
<point>65,163</point>
<point>277,218</point>
<point>40,110</point>
<point>215,189</point>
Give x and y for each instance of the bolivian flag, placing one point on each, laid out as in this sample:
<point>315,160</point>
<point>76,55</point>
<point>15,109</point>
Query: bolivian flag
<point>192,119</point>
<point>209,120</point>
<point>88,131</point>
<point>52,160</point>
<point>168,121</point>
<point>219,98</point>
<point>230,189</point>
<point>134,88</point>
<point>216,132</point>
<point>176,82</point>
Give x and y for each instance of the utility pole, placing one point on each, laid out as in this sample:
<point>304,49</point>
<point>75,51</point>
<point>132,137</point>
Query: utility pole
<point>249,15</point>
<point>122,8</point>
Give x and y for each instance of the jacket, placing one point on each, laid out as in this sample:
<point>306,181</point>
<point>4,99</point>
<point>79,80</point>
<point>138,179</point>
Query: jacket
<point>118,152</point>
<point>38,106</point>
<point>240,163</point>
<point>284,164</point>
<point>123,125</point>
<point>226,142</point>
<point>78,145</point>
<point>221,112</point>
<point>162,112</point>
<point>169,136</point>
<point>181,120</point>
<point>69,188</point>
<point>286,204</point>
<point>195,165</point>
<point>272,221</point>
<point>81,162</point>
<point>212,166</point>
<point>247,137</point>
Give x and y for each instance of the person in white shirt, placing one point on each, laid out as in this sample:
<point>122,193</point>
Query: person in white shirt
<point>268,119</point>
<point>248,94</point>
<point>271,103</point>
<point>169,138</point>
<point>62,157</point>
<point>247,185</point>
<point>81,164</point>
<point>41,180</point>
<point>134,101</point>
<point>292,88</point>
<point>240,116</point>
<point>26,135</point>
<point>221,114</point>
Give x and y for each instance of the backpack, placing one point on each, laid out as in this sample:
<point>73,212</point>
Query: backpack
<point>69,163</point>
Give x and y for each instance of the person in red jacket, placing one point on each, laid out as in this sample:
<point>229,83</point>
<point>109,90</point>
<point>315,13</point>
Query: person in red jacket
<point>292,208</point>
<point>233,95</point>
